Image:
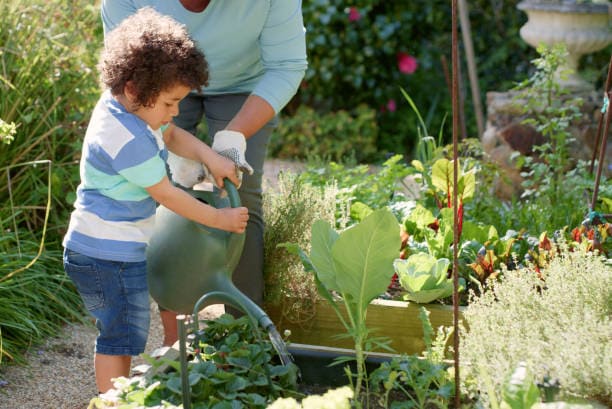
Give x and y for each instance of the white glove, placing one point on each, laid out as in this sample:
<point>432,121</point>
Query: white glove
<point>187,172</point>
<point>232,145</point>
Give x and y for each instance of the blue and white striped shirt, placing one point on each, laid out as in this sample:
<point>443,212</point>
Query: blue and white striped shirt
<point>113,215</point>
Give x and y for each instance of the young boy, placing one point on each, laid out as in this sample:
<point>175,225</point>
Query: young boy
<point>148,65</point>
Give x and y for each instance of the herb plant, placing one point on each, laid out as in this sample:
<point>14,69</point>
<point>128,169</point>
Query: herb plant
<point>557,320</point>
<point>290,209</point>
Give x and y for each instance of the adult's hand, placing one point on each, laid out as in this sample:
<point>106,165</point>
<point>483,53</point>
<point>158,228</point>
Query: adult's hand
<point>232,145</point>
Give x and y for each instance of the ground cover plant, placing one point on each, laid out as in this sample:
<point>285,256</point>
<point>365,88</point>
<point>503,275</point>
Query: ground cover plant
<point>230,368</point>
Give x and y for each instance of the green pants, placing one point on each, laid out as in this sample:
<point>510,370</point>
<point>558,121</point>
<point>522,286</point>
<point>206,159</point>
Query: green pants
<point>218,111</point>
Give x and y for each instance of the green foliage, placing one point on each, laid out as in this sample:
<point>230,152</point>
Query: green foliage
<point>520,391</point>
<point>424,277</point>
<point>373,187</point>
<point>48,51</point>
<point>423,382</point>
<point>542,99</point>
<point>289,212</point>
<point>35,302</point>
<point>356,264</point>
<point>230,370</point>
<point>355,49</point>
<point>36,297</point>
<point>556,320</point>
<point>336,135</point>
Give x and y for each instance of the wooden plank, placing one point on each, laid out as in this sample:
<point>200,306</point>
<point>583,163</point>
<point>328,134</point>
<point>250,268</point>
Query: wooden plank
<point>397,320</point>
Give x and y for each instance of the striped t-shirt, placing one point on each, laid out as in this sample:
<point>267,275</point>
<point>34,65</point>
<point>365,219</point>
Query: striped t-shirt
<point>113,215</point>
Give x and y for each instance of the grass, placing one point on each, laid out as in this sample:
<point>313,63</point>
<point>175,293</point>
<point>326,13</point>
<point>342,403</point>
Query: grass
<point>48,51</point>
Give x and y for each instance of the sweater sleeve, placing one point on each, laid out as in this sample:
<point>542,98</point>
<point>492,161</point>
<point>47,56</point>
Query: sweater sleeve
<point>115,11</point>
<point>283,53</point>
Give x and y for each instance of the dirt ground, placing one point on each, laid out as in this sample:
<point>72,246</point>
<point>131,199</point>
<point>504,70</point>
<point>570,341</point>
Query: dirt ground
<point>60,375</point>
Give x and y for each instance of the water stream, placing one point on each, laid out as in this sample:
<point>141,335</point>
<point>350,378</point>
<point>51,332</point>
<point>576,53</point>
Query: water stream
<point>279,345</point>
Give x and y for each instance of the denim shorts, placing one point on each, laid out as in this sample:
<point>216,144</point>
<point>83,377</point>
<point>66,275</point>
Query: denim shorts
<point>116,294</point>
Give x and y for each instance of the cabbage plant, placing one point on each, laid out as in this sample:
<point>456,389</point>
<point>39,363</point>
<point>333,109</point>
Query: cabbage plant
<point>356,264</point>
<point>424,277</point>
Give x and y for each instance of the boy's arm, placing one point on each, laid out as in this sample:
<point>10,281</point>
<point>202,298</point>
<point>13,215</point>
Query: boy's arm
<point>182,203</point>
<point>184,144</point>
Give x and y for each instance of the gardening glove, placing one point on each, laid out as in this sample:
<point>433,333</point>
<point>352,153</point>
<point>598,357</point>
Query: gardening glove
<point>232,145</point>
<point>187,172</point>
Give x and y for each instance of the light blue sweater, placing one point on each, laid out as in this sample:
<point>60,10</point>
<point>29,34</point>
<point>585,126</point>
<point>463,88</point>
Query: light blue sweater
<point>252,46</point>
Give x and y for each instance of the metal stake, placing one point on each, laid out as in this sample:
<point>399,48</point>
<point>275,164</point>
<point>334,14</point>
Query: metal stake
<point>182,332</point>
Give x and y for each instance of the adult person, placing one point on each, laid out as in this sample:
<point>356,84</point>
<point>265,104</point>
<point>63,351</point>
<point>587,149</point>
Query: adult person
<point>256,54</point>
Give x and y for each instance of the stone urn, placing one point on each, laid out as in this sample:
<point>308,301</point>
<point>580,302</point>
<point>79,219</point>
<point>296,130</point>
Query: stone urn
<point>584,27</point>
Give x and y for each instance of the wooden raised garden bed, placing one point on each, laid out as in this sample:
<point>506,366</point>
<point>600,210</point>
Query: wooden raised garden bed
<point>397,320</point>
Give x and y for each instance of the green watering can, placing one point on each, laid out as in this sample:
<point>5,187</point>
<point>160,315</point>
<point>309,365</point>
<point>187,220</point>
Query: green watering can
<point>190,265</point>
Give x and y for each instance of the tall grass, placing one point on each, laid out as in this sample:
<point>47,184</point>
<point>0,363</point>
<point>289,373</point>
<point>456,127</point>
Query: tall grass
<point>48,87</point>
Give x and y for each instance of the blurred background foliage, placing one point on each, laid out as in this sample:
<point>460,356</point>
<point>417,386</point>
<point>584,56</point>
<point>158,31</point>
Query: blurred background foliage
<point>363,52</point>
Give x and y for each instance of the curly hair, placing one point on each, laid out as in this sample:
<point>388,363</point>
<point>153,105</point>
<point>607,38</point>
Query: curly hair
<point>154,52</point>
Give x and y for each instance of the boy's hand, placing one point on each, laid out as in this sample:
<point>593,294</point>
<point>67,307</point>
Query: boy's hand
<point>233,219</point>
<point>221,167</point>
<point>232,145</point>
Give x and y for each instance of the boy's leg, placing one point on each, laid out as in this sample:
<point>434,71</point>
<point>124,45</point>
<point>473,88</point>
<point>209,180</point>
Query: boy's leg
<point>168,320</point>
<point>116,294</point>
<point>108,367</point>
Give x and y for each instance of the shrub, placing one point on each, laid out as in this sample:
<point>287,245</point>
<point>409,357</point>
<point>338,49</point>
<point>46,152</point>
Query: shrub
<point>557,322</point>
<point>335,135</point>
<point>363,52</point>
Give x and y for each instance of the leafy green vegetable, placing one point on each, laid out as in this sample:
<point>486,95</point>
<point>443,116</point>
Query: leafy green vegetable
<point>356,263</point>
<point>424,277</point>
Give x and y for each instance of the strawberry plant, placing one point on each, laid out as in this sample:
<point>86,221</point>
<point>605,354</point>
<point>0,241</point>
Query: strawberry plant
<point>229,365</point>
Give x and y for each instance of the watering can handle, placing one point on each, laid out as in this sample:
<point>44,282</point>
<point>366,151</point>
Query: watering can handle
<point>232,193</point>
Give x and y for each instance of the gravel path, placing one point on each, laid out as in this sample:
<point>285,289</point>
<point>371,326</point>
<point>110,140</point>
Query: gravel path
<point>60,375</point>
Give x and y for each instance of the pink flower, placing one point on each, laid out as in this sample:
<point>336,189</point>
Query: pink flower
<point>406,63</point>
<point>353,14</point>
<point>391,105</point>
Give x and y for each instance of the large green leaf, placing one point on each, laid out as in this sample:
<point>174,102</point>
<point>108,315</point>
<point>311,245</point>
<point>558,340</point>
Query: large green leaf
<point>363,256</point>
<point>443,176</point>
<point>323,238</point>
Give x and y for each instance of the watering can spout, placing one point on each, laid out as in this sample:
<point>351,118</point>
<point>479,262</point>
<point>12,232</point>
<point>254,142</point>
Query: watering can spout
<point>186,260</point>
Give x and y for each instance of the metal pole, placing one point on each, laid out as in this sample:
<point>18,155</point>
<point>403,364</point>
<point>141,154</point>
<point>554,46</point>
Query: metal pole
<point>602,151</point>
<point>603,114</point>
<point>471,64</point>
<point>455,107</point>
<point>182,332</point>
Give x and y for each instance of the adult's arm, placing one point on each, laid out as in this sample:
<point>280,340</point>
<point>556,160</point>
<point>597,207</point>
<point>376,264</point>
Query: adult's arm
<point>283,53</point>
